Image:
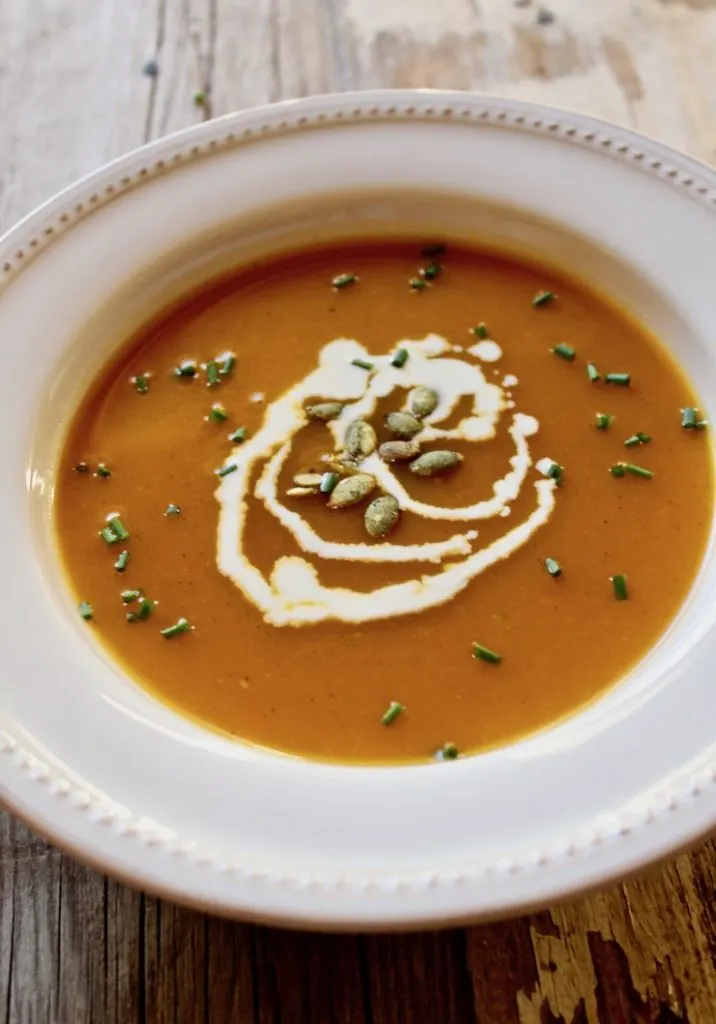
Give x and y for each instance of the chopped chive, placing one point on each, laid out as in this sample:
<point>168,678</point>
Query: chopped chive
<point>172,510</point>
<point>638,438</point>
<point>225,470</point>
<point>418,284</point>
<point>620,468</point>
<point>108,535</point>
<point>226,362</point>
<point>619,583</point>
<point>554,472</point>
<point>199,99</point>
<point>118,528</point>
<point>400,358</point>
<point>212,373</point>
<point>343,280</point>
<point>218,413</point>
<point>141,383</point>
<point>363,364</point>
<point>239,435</point>
<point>146,607</point>
<point>624,379</point>
<point>690,420</point>
<point>80,468</point>
<point>543,298</point>
<point>431,271</point>
<point>553,567</point>
<point>187,368</point>
<point>122,561</point>
<point>485,654</point>
<point>435,249</point>
<point>179,627</point>
<point>328,482</point>
<point>617,469</point>
<point>448,752</point>
<point>603,420</point>
<point>102,471</point>
<point>86,610</point>
<point>393,711</point>
<point>130,595</point>
<point>480,331</point>
<point>592,373</point>
<point>564,352</point>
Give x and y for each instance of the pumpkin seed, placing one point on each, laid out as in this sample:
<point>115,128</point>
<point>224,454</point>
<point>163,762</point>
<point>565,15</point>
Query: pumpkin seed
<point>399,451</point>
<point>403,424</point>
<point>342,463</point>
<point>307,479</point>
<point>350,490</point>
<point>435,462</point>
<point>381,516</point>
<point>324,411</point>
<point>360,439</point>
<point>423,402</point>
<point>301,492</point>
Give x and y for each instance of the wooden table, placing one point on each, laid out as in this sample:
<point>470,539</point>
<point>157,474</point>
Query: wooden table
<point>75,947</point>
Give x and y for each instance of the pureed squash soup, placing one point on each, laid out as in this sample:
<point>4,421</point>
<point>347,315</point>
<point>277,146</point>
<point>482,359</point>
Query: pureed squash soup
<point>376,504</point>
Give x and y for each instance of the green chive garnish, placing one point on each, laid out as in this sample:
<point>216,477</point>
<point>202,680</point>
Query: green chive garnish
<point>543,298</point>
<point>435,249</point>
<point>172,510</point>
<point>122,561</point>
<point>485,654</point>
<point>617,469</point>
<point>553,567</point>
<point>130,595</point>
<point>225,470</point>
<point>146,607</point>
<point>80,468</point>
<point>179,627</point>
<point>393,711</point>
<point>603,420</point>
<point>328,482</point>
<point>564,351</point>
<point>239,435</point>
<point>690,420</point>
<point>480,331</point>
<point>187,368</point>
<point>118,528</point>
<point>141,383</point>
<point>448,752</point>
<point>620,468</point>
<point>554,472</point>
<point>212,373</point>
<point>86,610</point>
<point>592,373</point>
<point>102,471</point>
<point>418,284</point>
<point>638,438</point>
<point>624,379</point>
<point>619,583</point>
<point>200,99</point>
<point>218,413</point>
<point>400,358</point>
<point>362,363</point>
<point>430,272</point>
<point>227,362</point>
<point>343,280</point>
<point>108,536</point>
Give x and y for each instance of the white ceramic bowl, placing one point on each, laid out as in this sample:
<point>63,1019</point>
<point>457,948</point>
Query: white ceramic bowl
<point>94,762</point>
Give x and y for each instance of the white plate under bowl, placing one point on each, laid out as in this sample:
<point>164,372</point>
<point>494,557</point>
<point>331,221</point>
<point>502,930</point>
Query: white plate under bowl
<point>95,763</point>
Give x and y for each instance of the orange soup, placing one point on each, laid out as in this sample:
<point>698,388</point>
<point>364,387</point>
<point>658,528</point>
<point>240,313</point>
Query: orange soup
<point>378,504</point>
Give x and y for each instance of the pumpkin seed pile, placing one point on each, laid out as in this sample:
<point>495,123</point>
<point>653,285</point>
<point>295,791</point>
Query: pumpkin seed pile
<point>346,484</point>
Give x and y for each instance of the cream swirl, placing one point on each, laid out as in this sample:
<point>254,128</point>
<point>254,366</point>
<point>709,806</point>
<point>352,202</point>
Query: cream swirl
<point>292,594</point>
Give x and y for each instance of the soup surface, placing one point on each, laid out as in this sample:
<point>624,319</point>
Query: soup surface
<point>255,583</point>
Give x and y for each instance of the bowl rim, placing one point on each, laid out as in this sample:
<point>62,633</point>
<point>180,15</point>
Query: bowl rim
<point>675,818</point>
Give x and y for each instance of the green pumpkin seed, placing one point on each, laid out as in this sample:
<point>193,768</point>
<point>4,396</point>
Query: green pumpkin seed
<point>423,402</point>
<point>435,462</point>
<point>301,492</point>
<point>324,411</point>
<point>381,516</point>
<point>342,463</point>
<point>307,479</point>
<point>350,490</point>
<point>360,439</point>
<point>399,451</point>
<point>403,424</point>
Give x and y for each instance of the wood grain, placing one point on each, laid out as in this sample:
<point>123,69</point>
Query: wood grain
<point>76,948</point>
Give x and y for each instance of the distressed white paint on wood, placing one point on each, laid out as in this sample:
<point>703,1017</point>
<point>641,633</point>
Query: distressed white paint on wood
<point>75,948</point>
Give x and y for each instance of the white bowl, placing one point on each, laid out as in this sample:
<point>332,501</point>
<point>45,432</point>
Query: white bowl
<point>94,762</point>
